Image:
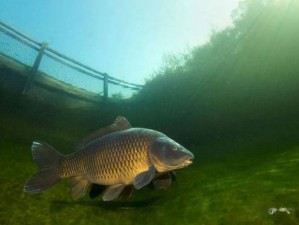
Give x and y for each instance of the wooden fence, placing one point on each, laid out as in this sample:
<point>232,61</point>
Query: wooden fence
<point>41,50</point>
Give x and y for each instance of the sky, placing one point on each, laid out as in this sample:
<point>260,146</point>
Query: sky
<point>128,39</point>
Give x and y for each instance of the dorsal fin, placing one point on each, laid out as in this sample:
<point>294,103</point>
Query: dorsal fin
<point>121,123</point>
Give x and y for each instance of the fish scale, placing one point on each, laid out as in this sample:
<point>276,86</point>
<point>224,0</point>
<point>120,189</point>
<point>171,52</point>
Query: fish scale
<point>112,157</point>
<point>105,160</point>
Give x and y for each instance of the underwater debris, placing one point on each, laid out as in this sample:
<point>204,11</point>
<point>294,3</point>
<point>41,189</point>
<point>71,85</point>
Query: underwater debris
<point>281,209</point>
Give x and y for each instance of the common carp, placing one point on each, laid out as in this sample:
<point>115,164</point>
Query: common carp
<point>117,156</point>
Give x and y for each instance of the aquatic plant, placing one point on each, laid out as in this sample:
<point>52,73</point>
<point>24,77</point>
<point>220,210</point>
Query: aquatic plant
<point>244,79</point>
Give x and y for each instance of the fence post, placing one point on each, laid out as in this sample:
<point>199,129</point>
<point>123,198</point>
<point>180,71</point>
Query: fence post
<point>34,68</point>
<point>105,86</point>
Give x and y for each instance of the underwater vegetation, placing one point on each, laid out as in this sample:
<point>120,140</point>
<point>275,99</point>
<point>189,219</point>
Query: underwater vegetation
<point>233,102</point>
<point>245,79</point>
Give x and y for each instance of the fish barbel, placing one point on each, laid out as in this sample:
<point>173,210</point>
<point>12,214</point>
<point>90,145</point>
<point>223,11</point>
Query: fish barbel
<point>117,156</point>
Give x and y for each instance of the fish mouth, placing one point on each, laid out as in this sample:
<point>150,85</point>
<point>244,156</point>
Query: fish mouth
<point>183,164</point>
<point>188,161</point>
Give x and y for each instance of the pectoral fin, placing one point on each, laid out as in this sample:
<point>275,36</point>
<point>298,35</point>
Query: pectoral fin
<point>113,192</point>
<point>162,182</point>
<point>79,186</point>
<point>144,178</point>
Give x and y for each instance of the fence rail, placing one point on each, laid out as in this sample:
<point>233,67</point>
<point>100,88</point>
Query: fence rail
<point>41,58</point>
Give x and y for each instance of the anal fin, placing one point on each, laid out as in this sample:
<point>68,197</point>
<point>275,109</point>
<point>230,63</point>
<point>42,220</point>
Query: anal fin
<point>79,187</point>
<point>113,192</point>
<point>98,189</point>
<point>126,192</point>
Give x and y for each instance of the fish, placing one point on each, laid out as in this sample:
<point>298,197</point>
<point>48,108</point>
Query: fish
<point>119,157</point>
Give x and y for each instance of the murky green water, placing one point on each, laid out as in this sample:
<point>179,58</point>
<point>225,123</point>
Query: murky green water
<point>234,180</point>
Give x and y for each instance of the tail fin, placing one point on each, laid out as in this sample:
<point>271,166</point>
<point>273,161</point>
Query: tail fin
<point>47,158</point>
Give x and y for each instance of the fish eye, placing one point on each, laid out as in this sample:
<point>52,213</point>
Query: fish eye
<point>174,148</point>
